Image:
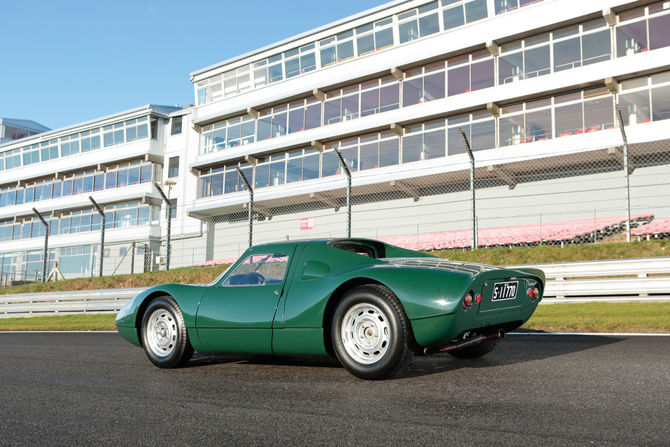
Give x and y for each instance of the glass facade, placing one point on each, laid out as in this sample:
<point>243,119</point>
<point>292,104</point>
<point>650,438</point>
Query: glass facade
<point>645,99</point>
<point>90,140</point>
<point>643,29</point>
<point>540,55</point>
<point>120,215</point>
<point>641,100</point>
<point>417,23</point>
<point>559,116</point>
<point>126,174</point>
<point>560,50</point>
<point>637,31</point>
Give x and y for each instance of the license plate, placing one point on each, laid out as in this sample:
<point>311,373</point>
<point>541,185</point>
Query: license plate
<point>505,290</point>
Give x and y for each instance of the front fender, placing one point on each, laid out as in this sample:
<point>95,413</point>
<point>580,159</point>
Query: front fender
<point>129,318</point>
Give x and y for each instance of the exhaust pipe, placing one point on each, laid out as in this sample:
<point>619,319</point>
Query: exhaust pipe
<point>465,343</point>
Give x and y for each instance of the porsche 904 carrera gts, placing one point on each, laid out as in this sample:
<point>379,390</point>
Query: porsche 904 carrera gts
<point>370,304</point>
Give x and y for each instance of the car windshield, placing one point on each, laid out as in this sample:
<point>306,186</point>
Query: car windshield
<point>218,278</point>
<point>258,270</point>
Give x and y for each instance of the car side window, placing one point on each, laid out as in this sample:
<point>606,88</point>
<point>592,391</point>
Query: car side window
<point>259,270</point>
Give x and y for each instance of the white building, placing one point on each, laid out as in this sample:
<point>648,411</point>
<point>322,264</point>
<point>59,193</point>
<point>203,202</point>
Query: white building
<point>14,129</point>
<point>115,160</point>
<point>534,86</point>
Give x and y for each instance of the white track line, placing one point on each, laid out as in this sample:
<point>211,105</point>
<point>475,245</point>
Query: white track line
<point>59,332</point>
<point>609,334</point>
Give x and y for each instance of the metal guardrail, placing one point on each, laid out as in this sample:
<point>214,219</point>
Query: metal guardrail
<point>601,283</point>
<point>615,267</point>
<point>66,303</point>
<point>641,287</point>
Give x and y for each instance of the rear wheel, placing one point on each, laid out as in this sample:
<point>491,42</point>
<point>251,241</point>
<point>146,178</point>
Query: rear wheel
<point>371,333</point>
<point>164,335</point>
<point>476,351</point>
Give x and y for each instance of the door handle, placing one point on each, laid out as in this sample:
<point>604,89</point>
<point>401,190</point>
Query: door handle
<point>276,292</point>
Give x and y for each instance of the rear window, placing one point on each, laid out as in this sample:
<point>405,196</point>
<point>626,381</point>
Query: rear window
<point>358,248</point>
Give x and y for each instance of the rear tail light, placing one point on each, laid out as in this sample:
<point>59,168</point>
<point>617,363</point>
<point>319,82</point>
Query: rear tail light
<point>467,301</point>
<point>536,293</point>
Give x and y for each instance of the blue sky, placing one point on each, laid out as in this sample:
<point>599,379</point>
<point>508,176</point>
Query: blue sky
<point>68,62</point>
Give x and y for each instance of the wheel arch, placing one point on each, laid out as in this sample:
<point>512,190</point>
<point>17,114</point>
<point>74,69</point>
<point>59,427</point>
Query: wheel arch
<point>335,298</point>
<point>141,310</point>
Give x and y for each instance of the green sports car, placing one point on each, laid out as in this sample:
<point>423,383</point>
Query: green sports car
<point>371,304</point>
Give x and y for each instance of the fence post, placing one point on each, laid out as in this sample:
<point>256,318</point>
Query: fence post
<point>625,168</point>
<point>147,258</point>
<point>251,205</point>
<point>169,225</point>
<point>346,171</point>
<point>103,224</point>
<point>132,259</point>
<point>475,242</point>
<point>46,247</point>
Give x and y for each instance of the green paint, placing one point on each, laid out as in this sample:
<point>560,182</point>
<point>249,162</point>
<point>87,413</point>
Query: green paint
<point>288,316</point>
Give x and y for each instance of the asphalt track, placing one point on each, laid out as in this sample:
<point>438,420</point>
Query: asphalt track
<point>96,389</point>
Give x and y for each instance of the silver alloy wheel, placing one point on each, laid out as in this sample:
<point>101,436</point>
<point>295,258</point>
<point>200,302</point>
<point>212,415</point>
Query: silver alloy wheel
<point>160,333</point>
<point>366,335</point>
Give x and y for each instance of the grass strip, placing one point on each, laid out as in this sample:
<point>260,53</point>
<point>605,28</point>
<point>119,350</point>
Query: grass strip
<point>547,253</point>
<point>185,275</point>
<point>564,317</point>
<point>84,322</point>
<point>633,317</point>
<point>492,256</point>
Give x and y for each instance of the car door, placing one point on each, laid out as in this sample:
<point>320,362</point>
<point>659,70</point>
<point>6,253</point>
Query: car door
<point>236,315</point>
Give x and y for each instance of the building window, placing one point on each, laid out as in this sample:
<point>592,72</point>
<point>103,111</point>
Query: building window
<point>49,150</point>
<point>644,29</point>
<point>337,49</point>
<point>176,125</point>
<point>300,61</point>
<point>136,129</point>
<point>70,145</point>
<point>423,22</point>
<point>113,135</point>
<point>154,128</point>
<point>31,154</point>
<point>173,167</point>
<point>640,103</point>
<point>90,140</point>
<point>127,174</point>
<point>231,133</point>
<point>173,208</point>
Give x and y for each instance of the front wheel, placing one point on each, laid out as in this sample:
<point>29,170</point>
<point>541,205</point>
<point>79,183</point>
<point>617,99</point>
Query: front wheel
<point>371,333</point>
<point>164,335</point>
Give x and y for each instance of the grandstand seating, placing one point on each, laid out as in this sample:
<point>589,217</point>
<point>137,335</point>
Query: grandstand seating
<point>550,232</point>
<point>229,260</point>
<point>579,231</point>
<point>658,227</point>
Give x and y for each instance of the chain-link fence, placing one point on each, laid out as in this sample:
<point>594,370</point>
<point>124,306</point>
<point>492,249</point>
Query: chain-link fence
<point>576,197</point>
<point>555,195</point>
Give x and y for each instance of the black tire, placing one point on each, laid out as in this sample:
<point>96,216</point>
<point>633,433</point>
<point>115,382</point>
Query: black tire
<point>164,336</point>
<point>377,343</point>
<point>476,351</point>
